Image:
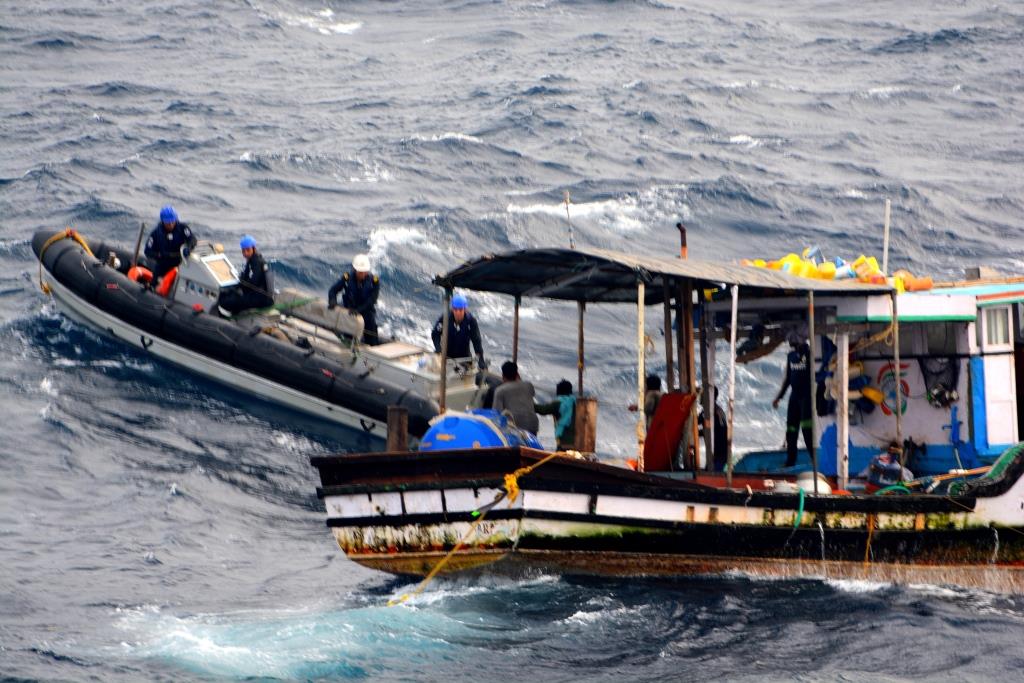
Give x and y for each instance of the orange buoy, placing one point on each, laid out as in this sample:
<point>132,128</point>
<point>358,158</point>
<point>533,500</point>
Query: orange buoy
<point>140,274</point>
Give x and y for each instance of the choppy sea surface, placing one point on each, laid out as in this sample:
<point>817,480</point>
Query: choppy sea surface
<point>155,526</point>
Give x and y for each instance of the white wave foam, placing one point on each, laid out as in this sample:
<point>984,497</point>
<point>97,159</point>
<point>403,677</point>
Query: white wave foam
<point>490,307</point>
<point>459,587</point>
<point>462,137</point>
<point>584,618</point>
<point>629,214</point>
<point>382,239</point>
<point>323,22</point>
<point>106,363</point>
<point>745,140</point>
<point>853,193</point>
<point>882,92</point>
<point>46,385</point>
<point>857,585</point>
<point>373,172</point>
<point>293,443</point>
<point>621,215</point>
<point>741,85</point>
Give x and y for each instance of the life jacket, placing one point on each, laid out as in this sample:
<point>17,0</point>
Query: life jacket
<point>167,283</point>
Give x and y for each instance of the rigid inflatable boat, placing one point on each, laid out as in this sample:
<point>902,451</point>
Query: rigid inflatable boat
<point>296,353</point>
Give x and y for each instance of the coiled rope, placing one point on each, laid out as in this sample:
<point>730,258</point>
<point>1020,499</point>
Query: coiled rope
<point>510,491</point>
<point>68,234</point>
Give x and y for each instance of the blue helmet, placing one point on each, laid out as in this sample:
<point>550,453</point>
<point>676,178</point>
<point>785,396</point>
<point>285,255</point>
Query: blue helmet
<point>168,214</point>
<point>248,242</point>
<point>459,302</point>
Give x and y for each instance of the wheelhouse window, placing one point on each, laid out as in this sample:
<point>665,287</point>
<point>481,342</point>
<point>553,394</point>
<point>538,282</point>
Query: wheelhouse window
<point>996,329</point>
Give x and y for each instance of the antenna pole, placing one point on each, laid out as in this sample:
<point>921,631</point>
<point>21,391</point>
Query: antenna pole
<point>572,242</point>
<point>885,238</point>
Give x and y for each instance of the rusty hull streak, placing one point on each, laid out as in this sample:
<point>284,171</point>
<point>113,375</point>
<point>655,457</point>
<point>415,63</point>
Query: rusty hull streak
<point>419,538</point>
<point>421,563</point>
<point>1001,579</point>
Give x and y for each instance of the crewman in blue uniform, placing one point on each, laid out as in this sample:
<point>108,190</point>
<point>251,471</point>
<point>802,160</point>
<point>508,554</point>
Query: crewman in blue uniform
<point>798,381</point>
<point>170,241</point>
<point>256,283</point>
<point>359,289</point>
<point>462,331</point>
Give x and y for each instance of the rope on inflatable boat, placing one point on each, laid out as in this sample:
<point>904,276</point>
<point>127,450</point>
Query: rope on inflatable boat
<point>68,234</point>
<point>510,491</point>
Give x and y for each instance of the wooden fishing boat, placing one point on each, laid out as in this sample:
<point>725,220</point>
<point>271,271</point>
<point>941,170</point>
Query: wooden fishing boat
<point>497,505</point>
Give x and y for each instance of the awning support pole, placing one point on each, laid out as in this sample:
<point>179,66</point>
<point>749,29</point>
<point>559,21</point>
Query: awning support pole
<point>811,339</point>
<point>897,373</point>
<point>691,365</point>
<point>641,427</point>
<point>670,371</point>
<point>442,399</point>
<point>681,353</point>
<point>732,383</point>
<point>885,238</point>
<point>515,331</point>
<point>705,379</point>
<point>843,408</point>
<point>581,307</point>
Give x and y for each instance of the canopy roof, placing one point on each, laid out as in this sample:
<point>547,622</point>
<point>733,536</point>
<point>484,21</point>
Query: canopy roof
<point>599,275</point>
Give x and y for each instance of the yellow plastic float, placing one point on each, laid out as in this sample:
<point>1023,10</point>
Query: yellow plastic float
<point>811,264</point>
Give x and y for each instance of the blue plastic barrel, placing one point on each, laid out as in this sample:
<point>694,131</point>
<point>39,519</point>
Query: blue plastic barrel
<point>479,428</point>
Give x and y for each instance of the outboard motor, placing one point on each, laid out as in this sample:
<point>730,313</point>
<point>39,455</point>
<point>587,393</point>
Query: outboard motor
<point>202,276</point>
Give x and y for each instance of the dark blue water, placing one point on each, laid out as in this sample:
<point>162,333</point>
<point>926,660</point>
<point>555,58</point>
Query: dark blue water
<point>154,526</point>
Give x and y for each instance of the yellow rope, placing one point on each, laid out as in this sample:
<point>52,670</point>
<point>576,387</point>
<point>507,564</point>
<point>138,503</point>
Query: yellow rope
<point>871,532</point>
<point>437,568</point>
<point>511,491</point>
<point>512,480</point>
<point>67,234</point>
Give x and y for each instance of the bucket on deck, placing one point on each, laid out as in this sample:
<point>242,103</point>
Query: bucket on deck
<point>805,480</point>
<point>478,428</point>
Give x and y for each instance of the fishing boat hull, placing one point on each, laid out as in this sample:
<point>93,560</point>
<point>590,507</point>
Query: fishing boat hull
<point>104,299</point>
<point>405,514</point>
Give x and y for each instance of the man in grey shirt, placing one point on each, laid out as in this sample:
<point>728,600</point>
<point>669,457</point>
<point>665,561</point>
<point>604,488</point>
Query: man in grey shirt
<point>516,396</point>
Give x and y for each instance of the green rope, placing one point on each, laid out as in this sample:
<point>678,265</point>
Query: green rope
<point>294,304</point>
<point>1004,460</point>
<point>287,306</point>
<point>800,510</point>
<point>895,488</point>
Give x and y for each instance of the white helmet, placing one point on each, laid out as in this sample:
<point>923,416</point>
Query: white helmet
<point>361,263</point>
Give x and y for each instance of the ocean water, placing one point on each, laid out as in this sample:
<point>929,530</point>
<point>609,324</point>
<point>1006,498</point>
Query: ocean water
<point>155,526</point>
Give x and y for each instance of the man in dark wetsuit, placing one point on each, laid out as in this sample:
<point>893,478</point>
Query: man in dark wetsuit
<point>359,289</point>
<point>256,283</point>
<point>462,331</point>
<point>170,241</point>
<point>798,381</point>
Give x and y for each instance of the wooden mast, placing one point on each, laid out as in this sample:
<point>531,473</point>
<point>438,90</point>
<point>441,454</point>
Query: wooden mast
<point>670,371</point>
<point>813,445</point>
<point>582,307</point>
<point>515,331</point>
<point>897,375</point>
<point>442,400</point>
<point>641,427</point>
<point>732,383</point>
<point>843,408</point>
